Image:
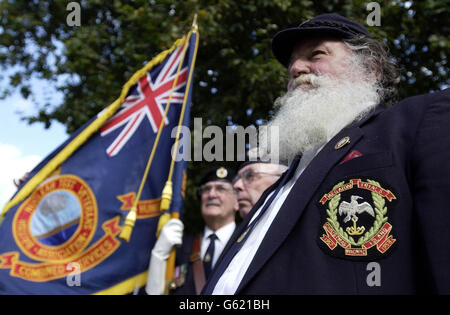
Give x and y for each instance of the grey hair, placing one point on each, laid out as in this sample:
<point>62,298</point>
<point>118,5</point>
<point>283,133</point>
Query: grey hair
<point>374,56</point>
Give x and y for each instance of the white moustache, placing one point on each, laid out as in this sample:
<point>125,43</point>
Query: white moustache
<point>212,202</point>
<point>306,78</point>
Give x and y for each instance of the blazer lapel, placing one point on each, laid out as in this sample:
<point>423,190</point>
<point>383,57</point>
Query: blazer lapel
<point>240,229</point>
<point>299,196</point>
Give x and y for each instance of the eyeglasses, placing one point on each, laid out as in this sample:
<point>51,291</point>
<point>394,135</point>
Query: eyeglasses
<point>221,189</point>
<point>249,176</point>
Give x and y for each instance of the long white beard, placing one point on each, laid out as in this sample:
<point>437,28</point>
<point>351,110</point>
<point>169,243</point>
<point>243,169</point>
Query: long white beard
<point>309,117</point>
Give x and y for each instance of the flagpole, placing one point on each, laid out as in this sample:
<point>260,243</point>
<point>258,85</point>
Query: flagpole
<point>166,196</point>
<point>132,214</point>
<point>170,266</point>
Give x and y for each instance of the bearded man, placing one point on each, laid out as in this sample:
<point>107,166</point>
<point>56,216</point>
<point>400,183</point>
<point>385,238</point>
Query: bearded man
<point>367,184</point>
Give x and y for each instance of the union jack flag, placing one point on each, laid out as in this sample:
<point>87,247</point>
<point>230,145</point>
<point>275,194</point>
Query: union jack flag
<point>147,99</point>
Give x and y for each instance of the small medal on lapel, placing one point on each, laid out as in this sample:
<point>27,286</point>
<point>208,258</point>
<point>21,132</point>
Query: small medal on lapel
<point>356,220</point>
<point>243,235</point>
<point>180,275</point>
<point>341,143</point>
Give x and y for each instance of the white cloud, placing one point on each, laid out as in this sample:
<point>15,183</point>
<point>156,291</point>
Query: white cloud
<point>13,165</point>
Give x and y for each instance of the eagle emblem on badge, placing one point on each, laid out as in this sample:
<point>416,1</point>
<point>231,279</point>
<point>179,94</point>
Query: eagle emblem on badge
<point>355,220</point>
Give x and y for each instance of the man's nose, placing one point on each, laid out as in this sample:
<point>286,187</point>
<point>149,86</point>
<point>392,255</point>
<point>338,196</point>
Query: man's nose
<point>299,66</point>
<point>238,185</point>
<point>212,193</point>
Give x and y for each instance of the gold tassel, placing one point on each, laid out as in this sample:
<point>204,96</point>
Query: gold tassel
<point>129,224</point>
<point>166,197</point>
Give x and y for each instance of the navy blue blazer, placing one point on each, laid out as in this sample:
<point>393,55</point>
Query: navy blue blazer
<point>184,265</point>
<point>378,192</point>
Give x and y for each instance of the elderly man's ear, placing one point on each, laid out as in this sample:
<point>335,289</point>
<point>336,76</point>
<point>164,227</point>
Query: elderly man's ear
<point>376,73</point>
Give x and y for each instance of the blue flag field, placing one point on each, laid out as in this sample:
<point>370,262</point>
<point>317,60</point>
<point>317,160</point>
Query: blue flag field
<point>86,219</point>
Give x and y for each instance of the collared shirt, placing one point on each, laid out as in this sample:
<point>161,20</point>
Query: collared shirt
<point>233,275</point>
<point>223,235</point>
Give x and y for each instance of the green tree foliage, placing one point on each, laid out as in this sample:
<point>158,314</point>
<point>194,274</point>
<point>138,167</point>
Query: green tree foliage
<point>236,77</point>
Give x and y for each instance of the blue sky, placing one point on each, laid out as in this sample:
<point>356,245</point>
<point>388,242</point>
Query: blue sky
<point>22,146</point>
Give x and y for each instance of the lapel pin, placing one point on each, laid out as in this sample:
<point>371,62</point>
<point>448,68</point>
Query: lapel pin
<point>344,141</point>
<point>243,235</point>
<point>207,257</point>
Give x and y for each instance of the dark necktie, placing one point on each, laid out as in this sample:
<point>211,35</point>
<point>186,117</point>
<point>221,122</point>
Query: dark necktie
<point>241,240</point>
<point>209,255</point>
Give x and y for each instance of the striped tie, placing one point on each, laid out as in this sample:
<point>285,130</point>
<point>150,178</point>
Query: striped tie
<point>209,255</point>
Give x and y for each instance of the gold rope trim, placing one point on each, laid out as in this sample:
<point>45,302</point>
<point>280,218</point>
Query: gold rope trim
<point>170,269</point>
<point>167,191</point>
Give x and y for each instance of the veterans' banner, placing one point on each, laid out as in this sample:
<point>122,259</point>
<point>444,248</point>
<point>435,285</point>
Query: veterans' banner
<point>67,229</point>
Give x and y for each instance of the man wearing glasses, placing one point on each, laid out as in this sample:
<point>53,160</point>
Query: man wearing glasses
<point>253,178</point>
<point>198,254</point>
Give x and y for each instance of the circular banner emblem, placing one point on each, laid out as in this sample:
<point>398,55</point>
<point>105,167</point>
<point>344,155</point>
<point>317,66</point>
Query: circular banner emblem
<point>57,221</point>
<point>355,221</point>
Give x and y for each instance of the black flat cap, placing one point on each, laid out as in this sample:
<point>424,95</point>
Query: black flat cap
<point>221,173</point>
<point>328,24</point>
